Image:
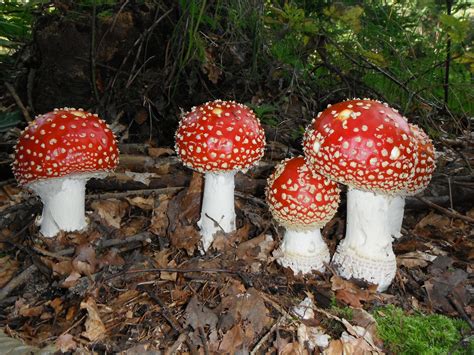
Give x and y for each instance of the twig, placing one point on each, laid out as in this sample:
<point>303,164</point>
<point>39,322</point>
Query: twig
<point>262,340</point>
<point>143,192</point>
<point>174,348</point>
<point>461,311</point>
<point>170,318</point>
<point>447,212</point>
<point>25,274</point>
<point>171,269</point>
<point>20,279</point>
<point>17,99</point>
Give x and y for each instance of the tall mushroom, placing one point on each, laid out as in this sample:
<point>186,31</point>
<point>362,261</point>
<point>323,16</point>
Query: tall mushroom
<point>368,146</point>
<point>219,139</point>
<point>424,167</point>
<point>302,202</point>
<point>55,156</point>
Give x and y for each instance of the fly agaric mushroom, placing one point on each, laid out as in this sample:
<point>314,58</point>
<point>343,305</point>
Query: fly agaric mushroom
<point>368,146</point>
<point>219,139</point>
<point>424,168</point>
<point>55,156</point>
<point>302,201</point>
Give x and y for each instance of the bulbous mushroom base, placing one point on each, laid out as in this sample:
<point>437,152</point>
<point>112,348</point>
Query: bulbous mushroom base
<point>350,264</point>
<point>303,251</point>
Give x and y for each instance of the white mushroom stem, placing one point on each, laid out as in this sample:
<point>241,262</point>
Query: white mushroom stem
<point>63,204</point>
<point>397,209</point>
<point>303,251</point>
<point>366,252</point>
<point>218,211</point>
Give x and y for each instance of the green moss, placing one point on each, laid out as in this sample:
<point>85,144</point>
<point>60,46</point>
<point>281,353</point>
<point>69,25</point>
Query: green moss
<point>421,334</point>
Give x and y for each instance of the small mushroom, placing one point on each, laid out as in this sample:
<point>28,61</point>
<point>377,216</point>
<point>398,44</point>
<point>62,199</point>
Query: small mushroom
<point>302,201</point>
<point>55,156</point>
<point>369,147</point>
<point>219,139</point>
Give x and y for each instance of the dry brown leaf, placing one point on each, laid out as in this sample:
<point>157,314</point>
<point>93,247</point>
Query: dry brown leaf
<point>141,202</point>
<point>158,152</point>
<point>27,311</point>
<point>246,308</point>
<point>71,280</point>
<point>133,226</point>
<point>350,293</point>
<point>232,341</point>
<point>110,211</point>
<point>85,261</point>
<point>111,258</point>
<point>159,220</point>
<point>63,267</point>
<point>171,276</point>
<point>8,267</point>
<point>435,220</point>
<point>294,349</point>
<point>144,178</point>
<point>415,259</point>
<point>95,328</point>
<point>258,248</point>
<point>57,305</point>
<point>185,237</point>
<point>227,241</point>
<point>65,343</point>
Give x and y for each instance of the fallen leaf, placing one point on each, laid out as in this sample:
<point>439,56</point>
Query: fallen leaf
<point>415,259</point>
<point>85,261</point>
<point>27,311</point>
<point>351,294</point>
<point>71,280</point>
<point>8,268</point>
<point>228,241</point>
<point>144,178</point>
<point>158,152</point>
<point>141,202</point>
<point>110,211</point>
<point>95,328</point>
<point>199,317</point>
<point>232,341</point>
<point>185,237</point>
<point>57,305</point>
<point>258,248</point>
<point>159,221</point>
<point>65,343</point>
<point>111,258</point>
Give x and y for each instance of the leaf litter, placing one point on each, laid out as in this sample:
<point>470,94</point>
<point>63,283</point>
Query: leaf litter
<point>156,292</point>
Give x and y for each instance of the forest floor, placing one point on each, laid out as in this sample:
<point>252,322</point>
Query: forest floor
<point>135,280</point>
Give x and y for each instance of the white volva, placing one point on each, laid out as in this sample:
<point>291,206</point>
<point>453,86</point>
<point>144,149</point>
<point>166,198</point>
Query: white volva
<point>303,251</point>
<point>218,211</point>
<point>366,252</point>
<point>63,204</point>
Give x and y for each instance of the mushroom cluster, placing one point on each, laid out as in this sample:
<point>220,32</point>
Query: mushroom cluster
<point>219,139</point>
<point>55,156</point>
<point>372,149</point>
<point>302,202</point>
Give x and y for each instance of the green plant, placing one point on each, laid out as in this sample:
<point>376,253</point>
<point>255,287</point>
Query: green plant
<point>420,334</point>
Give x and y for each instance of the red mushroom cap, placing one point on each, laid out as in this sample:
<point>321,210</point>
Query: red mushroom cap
<point>64,142</point>
<point>300,198</point>
<point>362,143</point>
<point>220,136</point>
<point>425,164</point>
